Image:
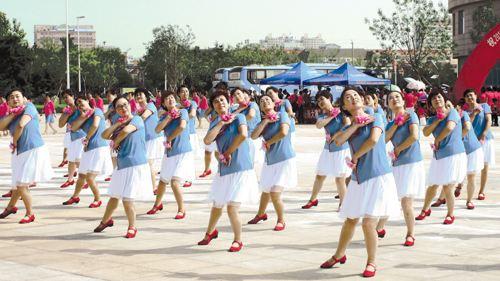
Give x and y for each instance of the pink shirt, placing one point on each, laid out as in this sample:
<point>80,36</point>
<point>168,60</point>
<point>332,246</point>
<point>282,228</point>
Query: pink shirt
<point>99,103</point>
<point>197,100</point>
<point>48,108</point>
<point>133,105</point>
<point>158,101</point>
<point>203,103</point>
<point>4,109</point>
<point>410,100</point>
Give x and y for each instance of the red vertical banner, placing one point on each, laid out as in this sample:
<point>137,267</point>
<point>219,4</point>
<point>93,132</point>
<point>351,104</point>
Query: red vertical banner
<point>479,63</point>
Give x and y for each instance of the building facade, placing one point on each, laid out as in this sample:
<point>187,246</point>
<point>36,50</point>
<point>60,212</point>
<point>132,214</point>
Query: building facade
<point>56,32</point>
<point>462,12</point>
<point>290,43</point>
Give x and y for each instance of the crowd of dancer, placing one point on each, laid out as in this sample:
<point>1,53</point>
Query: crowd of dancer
<point>375,158</point>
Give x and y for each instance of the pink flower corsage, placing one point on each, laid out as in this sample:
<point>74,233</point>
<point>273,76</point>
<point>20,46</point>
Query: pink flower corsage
<point>328,138</point>
<point>12,147</point>
<point>440,114</point>
<point>478,108</point>
<point>186,103</point>
<point>223,159</point>
<point>17,110</point>
<point>174,114</point>
<point>400,119</point>
<point>244,104</point>
<point>89,113</point>
<point>167,144</point>
<point>362,119</point>
<point>112,144</point>
<point>278,103</point>
<point>68,110</point>
<point>433,147</point>
<point>482,141</point>
<point>264,145</point>
<point>122,120</point>
<point>334,112</point>
<point>349,163</point>
<point>272,116</point>
<point>226,117</point>
<point>85,141</point>
<point>461,113</point>
<point>393,156</point>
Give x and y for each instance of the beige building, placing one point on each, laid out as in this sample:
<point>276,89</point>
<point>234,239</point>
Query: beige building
<point>56,32</point>
<point>462,19</point>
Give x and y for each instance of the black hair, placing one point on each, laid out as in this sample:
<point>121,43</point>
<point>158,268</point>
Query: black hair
<point>468,91</point>
<point>341,98</point>
<point>434,93</point>
<point>461,102</point>
<point>111,91</point>
<point>216,94</point>
<point>124,96</point>
<point>221,86</point>
<point>144,91</point>
<point>325,94</point>
<point>165,94</point>
<point>180,87</point>
<point>82,97</point>
<point>239,89</point>
<point>9,92</point>
<point>68,92</point>
<point>272,88</point>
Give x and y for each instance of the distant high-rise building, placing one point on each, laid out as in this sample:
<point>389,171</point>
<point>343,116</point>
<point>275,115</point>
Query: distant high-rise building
<point>56,32</point>
<point>290,43</point>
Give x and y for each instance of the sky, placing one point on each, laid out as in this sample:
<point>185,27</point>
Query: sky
<point>128,24</point>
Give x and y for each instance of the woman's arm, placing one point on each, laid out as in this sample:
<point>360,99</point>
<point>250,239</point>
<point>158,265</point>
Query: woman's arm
<point>123,134</point>
<point>284,128</point>
<point>465,128</point>
<point>431,127</point>
<point>257,132</point>
<point>342,136</point>
<point>368,145</point>
<point>242,135</point>
<point>390,133</point>
<point>109,131</point>
<point>320,123</point>
<point>482,136</point>
<point>93,128</point>
<point>4,122</point>
<point>162,124</point>
<point>178,130</point>
<point>146,114</point>
<point>77,124</point>
<point>413,137</point>
<point>450,125</point>
<point>212,133</point>
<point>20,128</point>
<point>63,120</point>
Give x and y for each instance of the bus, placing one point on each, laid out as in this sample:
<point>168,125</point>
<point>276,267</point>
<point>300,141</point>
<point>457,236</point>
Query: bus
<point>249,77</point>
<point>221,75</point>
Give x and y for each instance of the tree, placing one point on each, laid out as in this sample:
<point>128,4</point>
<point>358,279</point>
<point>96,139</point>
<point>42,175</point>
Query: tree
<point>483,20</point>
<point>418,31</point>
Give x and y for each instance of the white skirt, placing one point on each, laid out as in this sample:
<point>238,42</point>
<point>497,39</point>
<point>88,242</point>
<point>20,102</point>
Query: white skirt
<point>180,166</point>
<point>241,187</point>
<point>132,183</point>
<point>475,162</point>
<point>374,198</point>
<point>448,170</point>
<point>67,139</point>
<point>279,176</point>
<point>32,166</point>
<point>489,152</point>
<point>333,163</point>
<point>155,149</point>
<point>75,150</point>
<point>193,139</point>
<point>96,161</point>
<point>211,147</point>
<point>410,180</point>
<point>256,151</point>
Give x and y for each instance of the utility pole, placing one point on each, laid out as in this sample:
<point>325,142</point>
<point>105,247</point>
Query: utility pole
<point>68,84</point>
<point>352,52</point>
<point>78,40</point>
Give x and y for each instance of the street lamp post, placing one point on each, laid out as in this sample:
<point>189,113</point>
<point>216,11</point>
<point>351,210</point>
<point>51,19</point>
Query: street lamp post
<point>78,42</point>
<point>68,84</point>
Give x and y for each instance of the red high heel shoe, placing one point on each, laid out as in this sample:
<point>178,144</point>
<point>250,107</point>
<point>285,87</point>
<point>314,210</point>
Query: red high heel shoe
<point>67,183</point>
<point>63,163</point>
<point>311,204</point>
<point>71,201</point>
<point>85,186</point>
<point>209,237</point>
<point>27,219</point>
<point>470,206</point>
<point>423,214</point>
<point>369,273</point>
<point>132,234</point>
<point>187,184</point>
<point>155,209</point>
<point>233,249</point>
<point>95,204</point>
<point>381,233</point>
<point>206,173</point>
<point>74,174</point>
<point>107,179</point>
<point>457,192</point>
<point>103,226</point>
<point>7,195</point>
<point>258,218</point>
<point>279,227</point>
<point>8,212</point>
<point>333,261</point>
<point>180,216</point>
<point>409,243</point>
<point>449,220</point>
<point>155,192</point>
<point>481,196</point>
<point>32,185</point>
<point>438,203</point>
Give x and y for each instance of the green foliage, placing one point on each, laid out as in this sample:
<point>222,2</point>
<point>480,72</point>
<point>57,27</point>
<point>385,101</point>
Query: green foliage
<point>483,20</point>
<point>418,30</point>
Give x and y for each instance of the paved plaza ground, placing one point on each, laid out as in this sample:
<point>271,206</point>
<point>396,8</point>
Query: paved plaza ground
<point>60,244</point>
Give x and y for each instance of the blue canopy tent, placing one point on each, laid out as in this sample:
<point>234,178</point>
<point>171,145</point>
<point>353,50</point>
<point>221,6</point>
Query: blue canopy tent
<point>346,74</point>
<point>294,76</point>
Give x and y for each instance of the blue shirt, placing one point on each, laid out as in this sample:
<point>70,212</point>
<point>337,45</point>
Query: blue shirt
<point>151,122</point>
<point>413,153</point>
<point>241,160</point>
<point>471,143</point>
<point>479,122</point>
<point>375,162</point>
<point>181,143</point>
<point>282,150</point>
<point>133,148</point>
<point>381,111</point>
<point>252,123</point>
<point>452,144</point>
<point>192,122</point>
<point>96,140</point>
<point>30,137</point>
<point>285,105</point>
<point>78,134</point>
<point>335,125</point>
